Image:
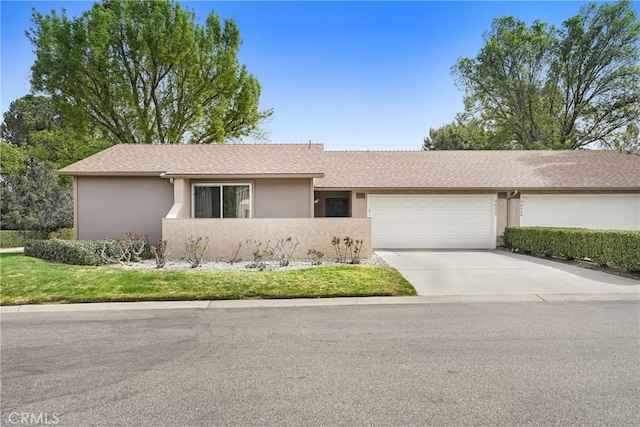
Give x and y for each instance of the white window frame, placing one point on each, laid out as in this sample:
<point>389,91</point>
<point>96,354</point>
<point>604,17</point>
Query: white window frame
<point>221,185</point>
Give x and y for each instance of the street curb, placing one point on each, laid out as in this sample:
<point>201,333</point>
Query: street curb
<point>315,302</point>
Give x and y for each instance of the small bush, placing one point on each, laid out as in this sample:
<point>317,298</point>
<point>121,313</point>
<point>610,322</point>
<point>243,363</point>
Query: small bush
<point>259,254</point>
<point>74,252</point>
<point>19,238</point>
<point>63,234</point>
<point>316,256</point>
<point>195,249</point>
<point>235,253</point>
<point>351,249</point>
<point>605,247</point>
<point>284,249</point>
<point>161,253</point>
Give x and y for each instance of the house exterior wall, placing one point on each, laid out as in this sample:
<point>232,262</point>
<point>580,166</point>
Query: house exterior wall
<point>224,234</point>
<point>109,207</point>
<point>283,198</point>
<point>513,212</point>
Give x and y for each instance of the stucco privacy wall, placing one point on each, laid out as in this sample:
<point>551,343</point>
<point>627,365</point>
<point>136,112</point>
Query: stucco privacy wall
<point>224,234</point>
<point>109,207</point>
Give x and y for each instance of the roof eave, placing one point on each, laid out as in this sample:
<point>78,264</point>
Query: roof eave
<point>244,176</point>
<point>493,189</point>
<point>63,172</point>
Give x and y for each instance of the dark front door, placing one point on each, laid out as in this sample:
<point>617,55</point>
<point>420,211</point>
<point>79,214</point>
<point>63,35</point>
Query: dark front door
<point>336,207</point>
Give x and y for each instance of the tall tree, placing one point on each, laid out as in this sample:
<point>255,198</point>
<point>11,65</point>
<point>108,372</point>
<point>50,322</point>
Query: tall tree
<point>146,72</point>
<point>35,125</point>
<point>563,88</point>
<point>465,133</point>
<point>33,200</point>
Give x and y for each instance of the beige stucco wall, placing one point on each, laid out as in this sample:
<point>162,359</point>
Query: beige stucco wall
<point>109,207</point>
<point>283,198</point>
<point>358,206</point>
<point>501,217</point>
<point>224,234</point>
<point>513,212</point>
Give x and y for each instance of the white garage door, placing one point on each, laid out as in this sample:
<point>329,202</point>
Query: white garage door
<point>432,222</point>
<point>596,211</point>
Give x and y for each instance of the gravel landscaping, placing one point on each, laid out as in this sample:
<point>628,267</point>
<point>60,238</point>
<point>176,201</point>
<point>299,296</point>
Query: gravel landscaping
<point>225,265</point>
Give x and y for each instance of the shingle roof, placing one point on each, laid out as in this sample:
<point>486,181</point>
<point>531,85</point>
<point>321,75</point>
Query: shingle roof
<point>375,169</point>
<point>227,159</point>
<point>481,170</point>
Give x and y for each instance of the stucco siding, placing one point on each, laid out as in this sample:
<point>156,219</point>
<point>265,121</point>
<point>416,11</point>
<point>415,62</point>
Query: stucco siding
<point>109,207</point>
<point>224,234</point>
<point>282,198</point>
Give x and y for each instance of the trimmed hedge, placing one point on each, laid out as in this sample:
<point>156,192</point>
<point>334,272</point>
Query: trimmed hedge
<point>76,252</point>
<point>18,238</point>
<point>605,247</point>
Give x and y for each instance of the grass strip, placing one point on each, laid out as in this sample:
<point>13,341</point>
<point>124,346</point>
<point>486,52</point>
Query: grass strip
<point>26,280</point>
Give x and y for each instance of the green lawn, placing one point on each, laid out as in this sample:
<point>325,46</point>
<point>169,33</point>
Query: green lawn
<point>26,280</point>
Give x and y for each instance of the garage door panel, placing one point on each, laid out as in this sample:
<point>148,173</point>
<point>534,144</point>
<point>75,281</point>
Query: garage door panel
<point>416,221</point>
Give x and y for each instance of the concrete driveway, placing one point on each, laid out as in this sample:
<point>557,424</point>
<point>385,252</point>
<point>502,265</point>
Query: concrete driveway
<point>499,273</point>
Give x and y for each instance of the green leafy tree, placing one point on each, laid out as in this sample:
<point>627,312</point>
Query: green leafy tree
<point>146,72</point>
<point>566,88</point>
<point>34,200</point>
<point>34,126</point>
<point>465,133</point>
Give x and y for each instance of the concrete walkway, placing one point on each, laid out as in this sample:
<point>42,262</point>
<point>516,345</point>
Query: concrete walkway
<point>12,251</point>
<point>469,273</point>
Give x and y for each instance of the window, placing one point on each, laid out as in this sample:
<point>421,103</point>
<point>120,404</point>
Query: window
<point>221,201</point>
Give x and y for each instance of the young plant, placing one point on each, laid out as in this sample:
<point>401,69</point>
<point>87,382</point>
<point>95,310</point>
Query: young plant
<point>161,253</point>
<point>235,251</point>
<point>195,249</point>
<point>354,247</point>
<point>284,249</point>
<point>337,246</point>
<point>316,256</point>
<point>259,255</point>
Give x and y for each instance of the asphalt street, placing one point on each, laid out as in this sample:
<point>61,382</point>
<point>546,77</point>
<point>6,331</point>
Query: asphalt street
<point>511,364</point>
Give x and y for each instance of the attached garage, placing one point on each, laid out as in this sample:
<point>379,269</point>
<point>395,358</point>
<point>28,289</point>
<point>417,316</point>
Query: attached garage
<point>432,221</point>
<point>595,211</point>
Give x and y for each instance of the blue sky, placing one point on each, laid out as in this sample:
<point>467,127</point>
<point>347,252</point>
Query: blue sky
<point>353,75</point>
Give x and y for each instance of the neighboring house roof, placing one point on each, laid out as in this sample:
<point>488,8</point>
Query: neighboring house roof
<point>506,170</point>
<point>208,160</point>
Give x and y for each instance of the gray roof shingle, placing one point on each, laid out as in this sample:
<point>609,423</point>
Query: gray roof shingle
<point>227,159</point>
<point>481,170</point>
<point>438,170</point>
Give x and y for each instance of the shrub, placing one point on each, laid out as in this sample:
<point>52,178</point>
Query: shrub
<point>284,249</point>
<point>316,256</point>
<point>235,253</point>
<point>259,255</point>
<point>75,252</point>
<point>63,234</point>
<point>161,253</point>
<point>19,238</point>
<point>351,248</point>
<point>605,247</point>
<point>195,249</point>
